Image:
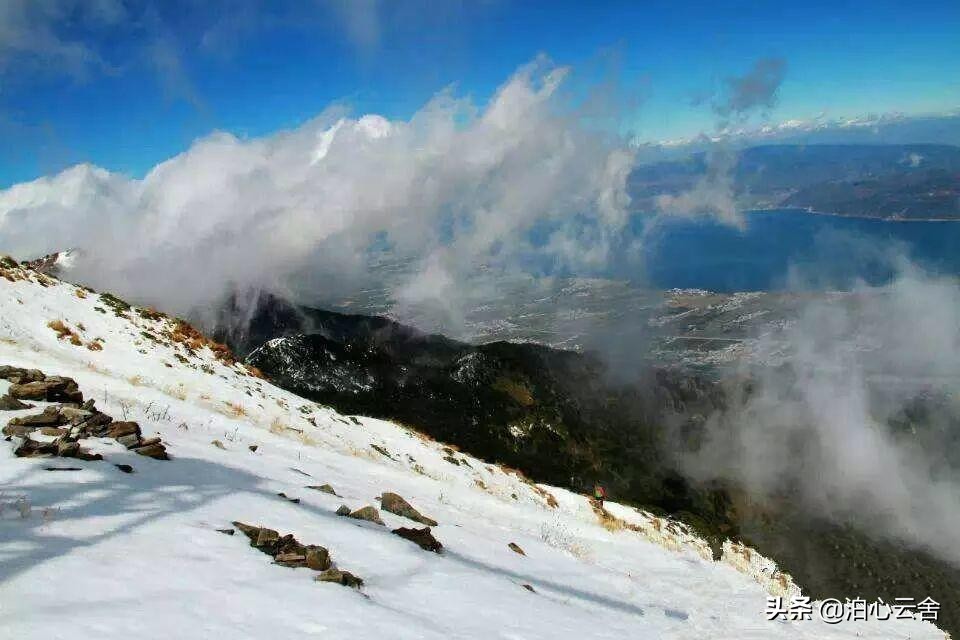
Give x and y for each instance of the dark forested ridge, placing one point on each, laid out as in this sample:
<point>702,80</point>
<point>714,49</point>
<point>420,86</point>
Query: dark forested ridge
<point>557,416</point>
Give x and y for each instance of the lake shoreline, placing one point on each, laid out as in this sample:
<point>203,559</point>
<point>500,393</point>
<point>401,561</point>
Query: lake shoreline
<point>836,214</point>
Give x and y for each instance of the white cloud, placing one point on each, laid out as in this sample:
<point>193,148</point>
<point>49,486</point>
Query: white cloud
<point>454,186</point>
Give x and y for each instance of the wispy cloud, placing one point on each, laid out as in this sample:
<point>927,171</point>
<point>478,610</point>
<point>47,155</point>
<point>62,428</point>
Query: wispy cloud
<point>755,90</point>
<point>46,35</point>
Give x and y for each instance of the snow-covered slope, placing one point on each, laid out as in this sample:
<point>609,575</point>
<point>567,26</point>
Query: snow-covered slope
<point>97,553</point>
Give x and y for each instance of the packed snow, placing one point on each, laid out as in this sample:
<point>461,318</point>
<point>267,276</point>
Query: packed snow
<point>98,553</point>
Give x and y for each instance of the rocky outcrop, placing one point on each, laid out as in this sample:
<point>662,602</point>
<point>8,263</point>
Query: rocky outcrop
<point>67,423</point>
<point>394,503</point>
<point>287,551</point>
<point>421,537</point>
<point>9,403</point>
<point>344,578</point>
<point>325,488</point>
<point>368,513</point>
<point>51,389</point>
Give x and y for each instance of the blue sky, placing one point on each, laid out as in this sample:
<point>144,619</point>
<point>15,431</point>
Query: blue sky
<point>125,85</point>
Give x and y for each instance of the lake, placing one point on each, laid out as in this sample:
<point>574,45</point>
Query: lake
<point>790,248</point>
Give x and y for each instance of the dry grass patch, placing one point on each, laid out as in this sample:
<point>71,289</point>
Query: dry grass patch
<point>235,409</point>
<point>185,334</point>
<point>64,332</point>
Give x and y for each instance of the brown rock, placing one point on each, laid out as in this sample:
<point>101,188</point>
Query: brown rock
<point>98,424</point>
<point>66,449</point>
<point>393,503</point>
<point>322,487</point>
<point>9,403</point>
<point>53,431</point>
<point>18,375</point>
<point>343,510</point>
<point>52,389</point>
<point>74,415</point>
<point>248,530</point>
<point>516,548</point>
<point>50,417</point>
<point>120,429</point>
<point>291,559</point>
<point>266,538</point>
<point>218,444</point>
<point>155,451</point>
<point>130,440</point>
<point>318,558</point>
<point>368,513</point>
<point>33,449</point>
<point>289,544</point>
<point>83,454</point>
<point>18,430</point>
<point>421,537</point>
<point>338,576</point>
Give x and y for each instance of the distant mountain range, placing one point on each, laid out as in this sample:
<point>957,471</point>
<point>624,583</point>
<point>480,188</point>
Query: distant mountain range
<point>918,181</point>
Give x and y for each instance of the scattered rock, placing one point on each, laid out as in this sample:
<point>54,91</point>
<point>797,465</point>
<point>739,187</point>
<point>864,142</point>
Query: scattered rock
<point>9,403</point>
<point>343,510</point>
<point>32,449</point>
<point>50,417</point>
<point>62,469</point>
<point>247,530</point>
<point>528,588</point>
<point>51,389</point>
<point>286,550</point>
<point>218,444</point>
<point>516,548</point>
<point>394,503</point>
<point>156,451</point>
<point>345,578</point>
<point>18,430</point>
<point>368,513</point>
<point>55,432</point>
<point>67,449</point>
<point>421,537</point>
<point>322,487</point>
<point>17,375</point>
<point>291,559</point>
<point>317,558</point>
<point>286,497</point>
<point>119,429</point>
<point>74,415</point>
<point>129,441</point>
<point>124,467</point>
<point>253,448</point>
<point>266,538</point>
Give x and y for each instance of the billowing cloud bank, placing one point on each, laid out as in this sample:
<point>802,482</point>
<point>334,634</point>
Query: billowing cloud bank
<point>453,187</point>
<point>859,416</point>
